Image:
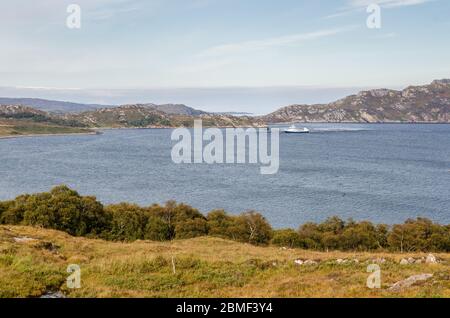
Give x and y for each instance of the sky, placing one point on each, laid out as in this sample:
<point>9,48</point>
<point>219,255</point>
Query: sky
<point>242,55</point>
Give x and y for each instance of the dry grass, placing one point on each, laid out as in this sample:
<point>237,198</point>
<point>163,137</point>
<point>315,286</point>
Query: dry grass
<point>205,267</point>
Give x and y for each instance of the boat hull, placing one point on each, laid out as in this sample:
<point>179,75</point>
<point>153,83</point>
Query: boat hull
<point>296,132</point>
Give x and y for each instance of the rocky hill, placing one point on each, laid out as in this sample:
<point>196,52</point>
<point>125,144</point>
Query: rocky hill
<point>428,103</point>
<point>16,120</point>
<point>26,113</point>
<point>177,109</point>
<point>154,116</point>
<point>19,111</point>
<point>51,105</point>
<point>54,106</point>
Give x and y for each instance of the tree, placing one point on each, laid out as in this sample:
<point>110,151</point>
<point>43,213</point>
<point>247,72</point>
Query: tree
<point>220,224</point>
<point>157,229</point>
<point>252,227</point>
<point>417,235</point>
<point>287,237</point>
<point>65,210</point>
<point>13,211</point>
<point>128,222</point>
<point>191,228</point>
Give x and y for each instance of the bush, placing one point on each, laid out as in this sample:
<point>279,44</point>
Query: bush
<point>11,212</point>
<point>157,229</point>
<point>191,228</point>
<point>288,238</point>
<point>65,210</point>
<point>61,209</point>
<point>339,235</point>
<point>362,236</point>
<point>220,224</point>
<point>419,235</point>
<point>252,227</point>
<point>128,222</point>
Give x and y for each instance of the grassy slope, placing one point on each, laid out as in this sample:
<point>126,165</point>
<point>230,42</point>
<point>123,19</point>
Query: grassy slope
<point>25,127</point>
<point>205,267</point>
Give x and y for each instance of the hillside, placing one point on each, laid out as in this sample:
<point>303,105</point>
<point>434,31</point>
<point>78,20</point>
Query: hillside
<point>126,250</point>
<point>54,106</point>
<point>18,120</point>
<point>428,103</point>
<point>151,116</point>
<point>33,262</point>
<point>177,109</point>
<point>51,105</point>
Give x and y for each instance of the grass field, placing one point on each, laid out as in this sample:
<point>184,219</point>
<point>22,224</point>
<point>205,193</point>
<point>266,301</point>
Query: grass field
<point>34,261</point>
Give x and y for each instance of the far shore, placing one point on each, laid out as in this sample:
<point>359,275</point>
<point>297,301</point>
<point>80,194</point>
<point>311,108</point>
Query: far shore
<point>98,130</point>
<point>49,135</point>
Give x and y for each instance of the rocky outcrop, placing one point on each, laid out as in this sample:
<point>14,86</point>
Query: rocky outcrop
<point>428,103</point>
<point>410,281</point>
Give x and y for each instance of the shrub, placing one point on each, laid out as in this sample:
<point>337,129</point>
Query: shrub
<point>419,235</point>
<point>287,237</point>
<point>361,236</point>
<point>157,229</point>
<point>13,211</point>
<point>220,224</point>
<point>252,227</point>
<point>191,228</point>
<point>128,222</point>
<point>310,234</point>
<point>65,210</point>
<point>339,235</point>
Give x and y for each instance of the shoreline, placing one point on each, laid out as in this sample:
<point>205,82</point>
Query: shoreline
<point>49,135</point>
<point>98,130</point>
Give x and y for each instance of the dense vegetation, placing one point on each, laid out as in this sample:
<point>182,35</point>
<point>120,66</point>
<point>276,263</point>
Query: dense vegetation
<point>65,210</point>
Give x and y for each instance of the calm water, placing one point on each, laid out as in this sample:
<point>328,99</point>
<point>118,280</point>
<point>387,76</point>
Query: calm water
<point>384,173</point>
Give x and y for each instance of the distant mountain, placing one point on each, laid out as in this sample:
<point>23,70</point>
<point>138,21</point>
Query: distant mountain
<point>122,116</point>
<point>234,113</point>
<point>428,103</point>
<point>31,115</point>
<point>51,105</point>
<point>54,106</point>
<point>149,115</point>
<point>177,109</point>
<point>19,111</point>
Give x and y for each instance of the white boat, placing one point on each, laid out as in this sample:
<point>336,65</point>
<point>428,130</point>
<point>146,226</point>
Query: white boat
<point>294,130</point>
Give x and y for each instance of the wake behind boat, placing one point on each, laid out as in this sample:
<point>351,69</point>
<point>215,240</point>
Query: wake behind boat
<point>294,130</point>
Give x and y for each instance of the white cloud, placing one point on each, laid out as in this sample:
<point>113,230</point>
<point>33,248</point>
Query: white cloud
<point>285,40</point>
<point>360,5</point>
<point>387,3</point>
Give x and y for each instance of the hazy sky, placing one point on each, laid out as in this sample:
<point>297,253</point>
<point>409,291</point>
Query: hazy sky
<point>129,44</point>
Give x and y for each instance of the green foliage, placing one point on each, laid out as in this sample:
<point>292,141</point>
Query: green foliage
<point>157,229</point>
<point>65,210</point>
<point>128,222</point>
<point>419,235</point>
<point>11,212</point>
<point>335,234</point>
<point>251,227</point>
<point>221,224</point>
<point>287,238</point>
<point>191,228</point>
